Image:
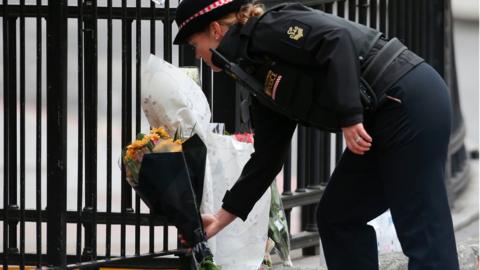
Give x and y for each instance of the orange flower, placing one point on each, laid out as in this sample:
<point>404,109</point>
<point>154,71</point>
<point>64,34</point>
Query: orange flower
<point>178,141</point>
<point>146,139</point>
<point>130,154</point>
<point>161,132</point>
<point>154,137</point>
<point>137,144</point>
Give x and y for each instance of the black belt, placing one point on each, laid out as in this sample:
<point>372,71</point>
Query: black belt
<point>385,56</point>
<point>389,61</point>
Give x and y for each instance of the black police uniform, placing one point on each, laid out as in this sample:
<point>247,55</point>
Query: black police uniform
<point>311,64</point>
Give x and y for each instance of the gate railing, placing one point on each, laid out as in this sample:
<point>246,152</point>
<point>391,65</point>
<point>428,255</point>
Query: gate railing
<point>71,101</point>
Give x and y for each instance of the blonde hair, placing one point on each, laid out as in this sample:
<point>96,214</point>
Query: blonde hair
<point>254,9</point>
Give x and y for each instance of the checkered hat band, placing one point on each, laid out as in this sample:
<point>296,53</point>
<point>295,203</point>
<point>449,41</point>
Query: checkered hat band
<point>205,10</point>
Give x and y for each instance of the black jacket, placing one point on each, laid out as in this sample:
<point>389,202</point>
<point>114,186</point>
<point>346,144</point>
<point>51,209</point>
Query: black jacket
<point>325,52</point>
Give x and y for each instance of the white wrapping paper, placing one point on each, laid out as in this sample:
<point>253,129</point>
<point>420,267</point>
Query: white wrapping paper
<point>174,100</point>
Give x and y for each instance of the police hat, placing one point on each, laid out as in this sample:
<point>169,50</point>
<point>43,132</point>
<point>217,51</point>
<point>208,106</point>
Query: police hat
<point>194,15</point>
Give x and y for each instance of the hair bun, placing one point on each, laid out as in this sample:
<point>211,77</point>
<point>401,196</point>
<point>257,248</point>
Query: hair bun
<point>254,9</point>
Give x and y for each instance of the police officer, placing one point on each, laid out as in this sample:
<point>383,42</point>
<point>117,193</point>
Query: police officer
<point>322,71</point>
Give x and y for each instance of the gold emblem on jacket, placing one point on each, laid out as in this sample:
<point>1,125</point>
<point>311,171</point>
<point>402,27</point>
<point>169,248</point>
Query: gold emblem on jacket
<point>295,32</point>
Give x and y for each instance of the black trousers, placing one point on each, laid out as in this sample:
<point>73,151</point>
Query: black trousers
<point>403,172</point>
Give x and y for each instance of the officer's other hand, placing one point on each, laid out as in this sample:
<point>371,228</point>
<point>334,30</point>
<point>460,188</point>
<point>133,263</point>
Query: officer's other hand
<point>357,139</point>
<point>215,223</point>
<point>212,225</point>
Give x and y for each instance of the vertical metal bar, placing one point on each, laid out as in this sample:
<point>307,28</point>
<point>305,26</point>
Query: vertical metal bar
<point>315,159</point>
<point>129,85</point>
<point>10,119</point>
<point>167,33</point>
<point>80,130</point>
<point>373,14</point>
<point>108,240</point>
<point>416,30</point>
<point>408,12</point>
<point>138,48</point>
<point>329,7</point>
<point>322,151</point>
<point>312,176</point>
<point>152,28</point>
<point>153,50</point>
<point>338,146</point>
<point>288,216</point>
<point>125,125</point>
<point>362,11</point>
<point>138,65</point>
<point>6,92</point>
<point>392,19</point>
<point>287,173</point>
<point>57,53</point>
<point>352,10</point>
<point>383,16</point>
<point>91,128</point>
<point>308,157</point>
<point>165,238</point>
<point>423,29</point>
<point>450,76</point>
<point>287,181</point>
<point>207,86</point>
<point>38,184</point>
<point>309,165</point>
<point>341,8</point>
<point>401,21</point>
<point>326,147</point>
<point>22,134</point>
<point>437,30</point>
<point>301,153</point>
<point>126,199</point>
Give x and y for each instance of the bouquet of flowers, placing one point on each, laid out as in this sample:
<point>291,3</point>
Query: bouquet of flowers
<point>167,173</point>
<point>278,227</point>
<point>278,234</point>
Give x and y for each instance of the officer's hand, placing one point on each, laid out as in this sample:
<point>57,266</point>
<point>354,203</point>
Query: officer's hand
<point>357,139</point>
<point>210,224</point>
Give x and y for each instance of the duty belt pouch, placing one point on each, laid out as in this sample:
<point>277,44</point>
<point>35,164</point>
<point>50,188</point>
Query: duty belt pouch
<point>367,96</point>
<point>289,87</point>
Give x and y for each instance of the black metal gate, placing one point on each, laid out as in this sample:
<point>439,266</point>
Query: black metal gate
<point>106,41</point>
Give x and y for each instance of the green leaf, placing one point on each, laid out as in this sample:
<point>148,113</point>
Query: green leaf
<point>140,136</point>
<point>209,264</point>
<point>178,134</point>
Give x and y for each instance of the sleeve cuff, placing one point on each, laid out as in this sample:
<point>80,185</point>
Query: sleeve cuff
<point>350,120</point>
<point>232,205</point>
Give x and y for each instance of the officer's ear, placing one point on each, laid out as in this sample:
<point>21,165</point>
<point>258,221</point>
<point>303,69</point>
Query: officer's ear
<point>215,30</point>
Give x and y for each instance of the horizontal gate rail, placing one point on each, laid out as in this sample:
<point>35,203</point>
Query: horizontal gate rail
<point>101,218</point>
<point>143,260</point>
